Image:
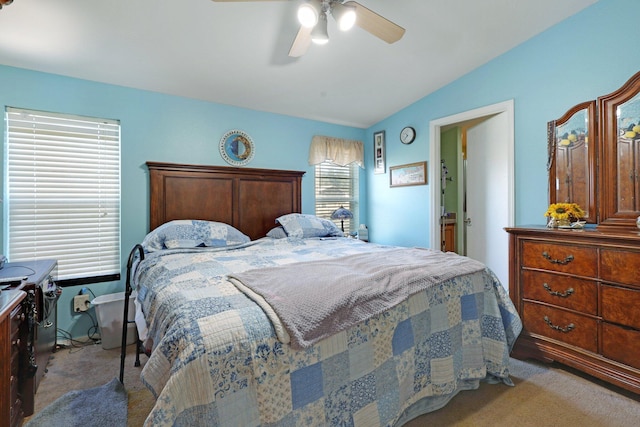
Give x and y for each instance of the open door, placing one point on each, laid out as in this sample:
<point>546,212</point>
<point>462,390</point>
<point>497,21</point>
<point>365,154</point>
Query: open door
<point>490,184</point>
<point>487,195</point>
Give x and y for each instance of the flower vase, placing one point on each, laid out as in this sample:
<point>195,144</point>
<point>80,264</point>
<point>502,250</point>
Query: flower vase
<point>559,223</point>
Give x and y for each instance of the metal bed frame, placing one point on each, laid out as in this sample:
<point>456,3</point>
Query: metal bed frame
<point>126,321</point>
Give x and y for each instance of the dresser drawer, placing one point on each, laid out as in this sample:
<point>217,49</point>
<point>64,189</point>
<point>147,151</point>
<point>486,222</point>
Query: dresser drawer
<point>621,344</point>
<point>621,306</point>
<point>570,328</point>
<point>15,363</point>
<point>620,266</point>
<point>13,388</point>
<point>17,413</point>
<point>580,260</point>
<point>563,291</point>
<point>17,317</point>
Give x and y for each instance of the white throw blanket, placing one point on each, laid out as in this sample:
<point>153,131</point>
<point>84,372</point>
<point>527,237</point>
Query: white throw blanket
<point>309,301</point>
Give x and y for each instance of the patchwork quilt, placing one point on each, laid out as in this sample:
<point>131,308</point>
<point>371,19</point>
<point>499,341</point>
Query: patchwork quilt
<point>217,361</point>
<point>330,296</point>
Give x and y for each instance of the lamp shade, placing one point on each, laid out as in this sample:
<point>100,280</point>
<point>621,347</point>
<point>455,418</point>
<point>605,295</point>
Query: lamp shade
<point>341,213</point>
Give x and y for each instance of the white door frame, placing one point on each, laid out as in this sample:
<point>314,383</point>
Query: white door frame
<point>435,126</point>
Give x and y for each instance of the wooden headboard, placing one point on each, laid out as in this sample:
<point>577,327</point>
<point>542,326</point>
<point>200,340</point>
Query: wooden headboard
<point>248,199</point>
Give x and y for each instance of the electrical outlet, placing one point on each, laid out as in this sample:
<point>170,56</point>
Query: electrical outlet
<point>80,303</point>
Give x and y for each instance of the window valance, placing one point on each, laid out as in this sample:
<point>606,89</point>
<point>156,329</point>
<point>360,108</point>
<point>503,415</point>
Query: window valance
<point>339,151</point>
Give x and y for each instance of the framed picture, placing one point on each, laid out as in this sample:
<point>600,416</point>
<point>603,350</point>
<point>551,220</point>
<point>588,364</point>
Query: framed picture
<point>378,152</point>
<point>410,174</point>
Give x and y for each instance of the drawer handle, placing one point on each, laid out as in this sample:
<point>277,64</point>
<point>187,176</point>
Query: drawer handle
<point>568,328</point>
<point>565,294</point>
<point>565,261</point>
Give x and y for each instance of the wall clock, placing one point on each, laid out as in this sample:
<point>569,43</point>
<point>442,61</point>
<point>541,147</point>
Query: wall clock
<point>407,135</point>
<point>236,148</point>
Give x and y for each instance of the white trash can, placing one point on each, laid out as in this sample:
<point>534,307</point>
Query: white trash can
<point>109,310</point>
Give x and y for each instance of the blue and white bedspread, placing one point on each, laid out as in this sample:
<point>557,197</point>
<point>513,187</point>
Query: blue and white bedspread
<point>217,361</point>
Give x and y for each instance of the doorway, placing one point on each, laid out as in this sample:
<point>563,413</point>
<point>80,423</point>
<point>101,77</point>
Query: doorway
<point>487,199</point>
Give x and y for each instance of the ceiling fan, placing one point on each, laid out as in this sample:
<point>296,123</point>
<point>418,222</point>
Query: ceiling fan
<point>5,3</point>
<point>313,14</point>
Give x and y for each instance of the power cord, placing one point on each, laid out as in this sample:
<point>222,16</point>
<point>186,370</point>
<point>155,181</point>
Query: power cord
<point>49,302</point>
<point>93,330</point>
<point>73,342</point>
<point>85,289</point>
<point>93,333</point>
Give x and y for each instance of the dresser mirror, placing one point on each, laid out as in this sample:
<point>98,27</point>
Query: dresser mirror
<point>572,159</point>
<point>594,157</point>
<point>620,165</point>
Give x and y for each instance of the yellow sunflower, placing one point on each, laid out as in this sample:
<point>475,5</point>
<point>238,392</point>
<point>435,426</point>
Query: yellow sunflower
<point>562,211</point>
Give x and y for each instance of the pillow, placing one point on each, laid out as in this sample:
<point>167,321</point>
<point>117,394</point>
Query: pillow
<point>304,226</point>
<point>277,233</point>
<point>192,234</point>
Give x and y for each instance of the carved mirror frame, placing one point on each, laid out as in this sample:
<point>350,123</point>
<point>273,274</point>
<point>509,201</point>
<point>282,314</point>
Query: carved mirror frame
<point>572,144</point>
<point>620,181</point>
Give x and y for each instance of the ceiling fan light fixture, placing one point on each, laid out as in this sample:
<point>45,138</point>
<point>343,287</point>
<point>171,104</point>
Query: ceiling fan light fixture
<point>319,34</point>
<point>309,12</point>
<point>345,15</point>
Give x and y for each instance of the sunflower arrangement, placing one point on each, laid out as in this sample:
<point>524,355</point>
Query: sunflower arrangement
<point>570,212</point>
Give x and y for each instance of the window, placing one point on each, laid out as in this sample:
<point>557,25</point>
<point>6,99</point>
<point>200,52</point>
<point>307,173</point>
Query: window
<point>337,186</point>
<point>62,193</point>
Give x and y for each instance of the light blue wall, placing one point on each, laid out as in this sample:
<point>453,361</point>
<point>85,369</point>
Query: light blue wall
<point>164,128</point>
<point>588,55</point>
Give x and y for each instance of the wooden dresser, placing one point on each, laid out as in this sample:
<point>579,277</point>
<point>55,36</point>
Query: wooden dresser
<point>578,290</point>
<point>578,293</point>
<point>40,305</point>
<point>12,342</point>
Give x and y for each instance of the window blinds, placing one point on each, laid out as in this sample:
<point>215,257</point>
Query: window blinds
<point>337,186</point>
<point>63,192</point>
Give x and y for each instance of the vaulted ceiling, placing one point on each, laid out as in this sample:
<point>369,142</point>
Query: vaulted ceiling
<point>236,53</point>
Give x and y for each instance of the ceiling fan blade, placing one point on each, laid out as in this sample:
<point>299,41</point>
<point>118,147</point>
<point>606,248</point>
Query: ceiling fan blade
<point>301,42</point>
<point>376,24</point>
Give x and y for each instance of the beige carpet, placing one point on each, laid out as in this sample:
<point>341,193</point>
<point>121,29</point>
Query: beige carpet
<point>92,366</point>
<point>544,395</point>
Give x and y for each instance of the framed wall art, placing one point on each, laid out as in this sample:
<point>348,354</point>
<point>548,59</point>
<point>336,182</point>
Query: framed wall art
<point>378,152</point>
<point>409,174</point>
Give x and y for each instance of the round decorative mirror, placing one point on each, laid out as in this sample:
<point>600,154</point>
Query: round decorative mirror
<point>236,148</point>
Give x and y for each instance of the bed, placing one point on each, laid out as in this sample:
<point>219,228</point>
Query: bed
<point>220,290</point>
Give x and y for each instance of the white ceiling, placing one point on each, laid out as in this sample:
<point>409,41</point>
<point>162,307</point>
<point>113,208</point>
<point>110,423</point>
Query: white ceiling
<point>236,53</point>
